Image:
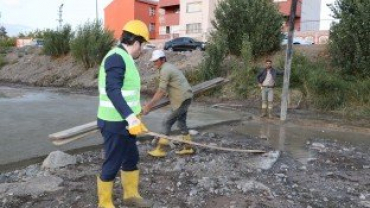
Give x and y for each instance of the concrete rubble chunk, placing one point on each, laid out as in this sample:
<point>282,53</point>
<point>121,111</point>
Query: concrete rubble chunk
<point>318,146</point>
<point>365,204</point>
<point>58,159</point>
<point>265,161</point>
<point>32,186</point>
<point>252,185</point>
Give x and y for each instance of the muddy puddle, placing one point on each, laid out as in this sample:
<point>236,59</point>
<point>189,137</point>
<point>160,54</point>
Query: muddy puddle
<point>294,139</point>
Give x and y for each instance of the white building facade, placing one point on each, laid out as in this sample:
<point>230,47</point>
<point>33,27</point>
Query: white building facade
<point>316,15</point>
<point>196,17</point>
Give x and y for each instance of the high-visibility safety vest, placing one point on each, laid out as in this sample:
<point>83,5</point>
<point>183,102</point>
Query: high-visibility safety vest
<point>130,89</point>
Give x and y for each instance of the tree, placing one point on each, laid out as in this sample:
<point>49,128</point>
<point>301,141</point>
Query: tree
<point>91,43</point>
<point>3,33</point>
<point>36,34</point>
<point>349,43</point>
<point>56,43</point>
<point>258,21</point>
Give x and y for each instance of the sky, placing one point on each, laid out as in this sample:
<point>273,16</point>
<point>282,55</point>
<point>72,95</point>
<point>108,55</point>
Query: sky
<point>28,15</point>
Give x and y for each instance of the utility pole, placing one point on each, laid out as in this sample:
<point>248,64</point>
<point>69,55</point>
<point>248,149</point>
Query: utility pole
<point>288,62</point>
<point>60,20</point>
<point>96,10</point>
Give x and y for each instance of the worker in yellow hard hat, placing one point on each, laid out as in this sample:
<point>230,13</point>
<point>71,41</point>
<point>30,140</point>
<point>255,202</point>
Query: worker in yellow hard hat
<point>119,107</point>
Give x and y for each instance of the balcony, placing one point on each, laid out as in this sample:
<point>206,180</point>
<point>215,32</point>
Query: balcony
<point>170,19</point>
<point>168,3</point>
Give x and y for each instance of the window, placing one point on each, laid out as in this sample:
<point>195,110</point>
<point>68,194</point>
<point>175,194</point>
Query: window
<point>151,27</point>
<point>168,30</point>
<point>193,28</point>
<point>194,7</point>
<point>151,11</point>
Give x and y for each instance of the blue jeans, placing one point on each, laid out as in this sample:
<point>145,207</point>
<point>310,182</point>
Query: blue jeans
<point>267,94</point>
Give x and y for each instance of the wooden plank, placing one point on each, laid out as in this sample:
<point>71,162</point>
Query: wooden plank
<point>76,137</point>
<point>74,131</point>
<point>91,127</point>
<point>179,139</point>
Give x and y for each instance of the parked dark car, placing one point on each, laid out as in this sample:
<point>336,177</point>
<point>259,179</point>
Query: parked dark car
<point>184,44</point>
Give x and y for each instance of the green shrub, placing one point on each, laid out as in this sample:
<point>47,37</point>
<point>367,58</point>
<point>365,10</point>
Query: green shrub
<point>238,22</point>
<point>244,76</point>
<point>214,56</point>
<point>258,21</point>
<point>91,44</point>
<point>326,89</point>
<point>349,37</point>
<point>7,43</point>
<point>56,43</point>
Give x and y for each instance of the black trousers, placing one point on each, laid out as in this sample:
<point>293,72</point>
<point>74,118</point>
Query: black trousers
<point>121,152</point>
<point>178,115</point>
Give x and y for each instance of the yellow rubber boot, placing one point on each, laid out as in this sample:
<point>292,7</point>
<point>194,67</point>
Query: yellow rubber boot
<point>187,150</point>
<point>130,185</point>
<point>159,149</point>
<point>105,190</point>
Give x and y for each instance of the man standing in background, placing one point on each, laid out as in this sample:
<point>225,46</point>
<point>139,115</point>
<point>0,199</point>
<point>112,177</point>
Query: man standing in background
<point>266,81</point>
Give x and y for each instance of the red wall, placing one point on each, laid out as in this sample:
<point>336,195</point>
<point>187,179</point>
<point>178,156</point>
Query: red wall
<point>171,19</point>
<point>165,3</point>
<point>116,14</point>
<point>119,12</point>
<point>284,8</point>
<point>142,13</point>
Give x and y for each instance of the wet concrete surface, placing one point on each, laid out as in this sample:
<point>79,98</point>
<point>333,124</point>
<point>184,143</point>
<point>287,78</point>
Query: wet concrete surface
<point>29,115</point>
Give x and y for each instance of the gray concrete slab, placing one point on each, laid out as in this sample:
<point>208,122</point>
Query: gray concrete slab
<point>28,116</point>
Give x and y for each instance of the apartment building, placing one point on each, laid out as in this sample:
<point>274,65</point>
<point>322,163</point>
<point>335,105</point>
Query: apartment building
<point>316,15</point>
<point>119,12</point>
<point>169,19</point>
<point>196,17</point>
<point>284,8</point>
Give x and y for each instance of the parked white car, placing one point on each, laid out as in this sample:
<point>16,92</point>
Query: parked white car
<point>297,41</point>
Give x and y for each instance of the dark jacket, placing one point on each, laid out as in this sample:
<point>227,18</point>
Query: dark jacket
<point>263,73</point>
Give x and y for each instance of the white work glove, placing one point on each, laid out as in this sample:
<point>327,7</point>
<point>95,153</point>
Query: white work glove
<point>135,126</point>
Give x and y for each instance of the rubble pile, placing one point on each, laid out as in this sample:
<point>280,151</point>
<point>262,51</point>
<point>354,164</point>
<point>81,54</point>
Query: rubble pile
<point>338,176</point>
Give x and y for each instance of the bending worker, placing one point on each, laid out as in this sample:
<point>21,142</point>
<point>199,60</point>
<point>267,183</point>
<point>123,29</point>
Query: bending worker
<point>173,82</point>
<point>119,105</point>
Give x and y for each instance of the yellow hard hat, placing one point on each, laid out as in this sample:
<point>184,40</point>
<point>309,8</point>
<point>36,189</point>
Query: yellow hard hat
<point>137,28</point>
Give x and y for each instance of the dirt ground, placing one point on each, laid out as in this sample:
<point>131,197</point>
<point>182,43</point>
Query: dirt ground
<point>337,176</point>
